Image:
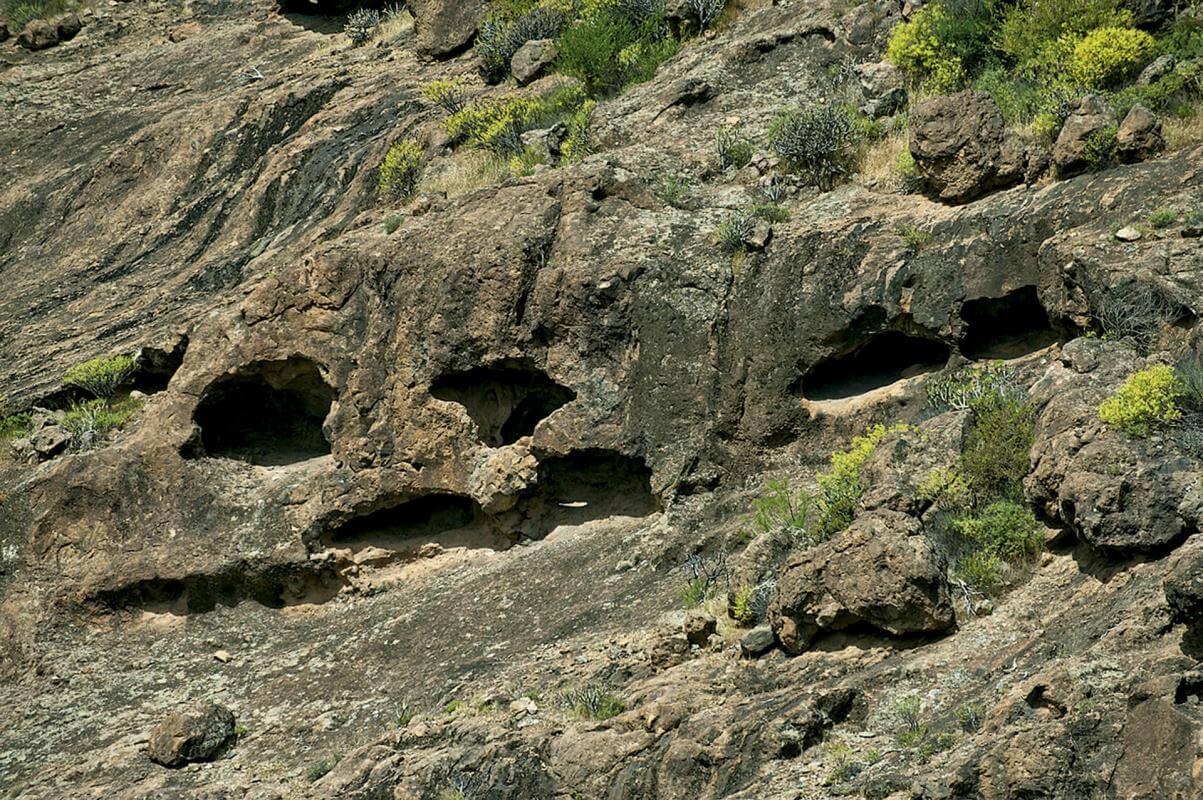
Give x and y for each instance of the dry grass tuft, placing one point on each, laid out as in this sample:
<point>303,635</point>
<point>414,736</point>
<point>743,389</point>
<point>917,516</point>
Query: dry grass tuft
<point>1183,132</point>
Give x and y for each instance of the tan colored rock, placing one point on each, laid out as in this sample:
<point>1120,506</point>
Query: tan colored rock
<point>199,733</point>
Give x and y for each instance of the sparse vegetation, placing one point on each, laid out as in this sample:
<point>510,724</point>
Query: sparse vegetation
<point>401,171</point>
<point>361,25</point>
<point>20,13</point>
<point>673,189</point>
<point>733,231</point>
<point>704,575</point>
<point>914,237</point>
<point>751,603</point>
<point>14,426</point>
<point>319,769</point>
<point>1148,400</point>
<point>449,94</point>
<point>969,717</point>
<point>591,701</point>
<point>995,456</point>
<point>101,377</point>
<point>819,142</point>
<point>1163,217</point>
<point>734,151</point>
<point>1133,311</point>
<point>1005,533</point>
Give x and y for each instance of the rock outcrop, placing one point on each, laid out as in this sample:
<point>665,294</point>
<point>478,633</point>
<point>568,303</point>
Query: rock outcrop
<point>199,733</point>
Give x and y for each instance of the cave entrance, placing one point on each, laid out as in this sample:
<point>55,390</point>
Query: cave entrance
<point>586,485</point>
<point>1006,327</point>
<point>506,400</point>
<point>886,358</point>
<point>268,413</point>
<point>400,531</point>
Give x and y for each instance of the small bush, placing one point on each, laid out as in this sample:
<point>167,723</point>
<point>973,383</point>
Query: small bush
<point>733,232</point>
<point>707,11</point>
<point>592,702</point>
<point>578,142</point>
<point>819,142</point>
<point>497,124</point>
<point>945,486</point>
<point>1005,529</point>
<point>971,386</point>
<point>608,47</point>
<point>1099,152</point>
<point>840,489</point>
<point>915,237</point>
<point>319,769</point>
<point>751,603</point>
<point>908,711</point>
<point>500,36</point>
<point>969,717</point>
<point>1106,55</point>
<point>704,574</point>
<point>21,12</point>
<point>673,189</point>
<point>917,48</point>
<point>995,456</point>
<point>1163,217</point>
<point>401,171</point>
<point>450,94</point>
<point>1036,34</point>
<point>769,212</point>
<point>101,377</point>
<point>1146,401</point>
<point>734,152</point>
<point>87,424</point>
<point>781,508</point>
<point>1189,372</point>
<point>361,25</point>
<point>1132,311</point>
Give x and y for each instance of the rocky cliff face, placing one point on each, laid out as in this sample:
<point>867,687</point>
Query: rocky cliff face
<point>396,489</point>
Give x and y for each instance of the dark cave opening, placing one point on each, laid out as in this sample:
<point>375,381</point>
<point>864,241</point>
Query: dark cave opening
<point>1006,327</point>
<point>449,520</point>
<point>277,586</point>
<point>157,365</point>
<point>886,358</point>
<point>586,485</point>
<point>268,413</point>
<point>505,400</point>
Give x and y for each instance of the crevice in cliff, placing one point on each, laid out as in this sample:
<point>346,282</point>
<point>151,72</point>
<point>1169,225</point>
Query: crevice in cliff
<point>884,359</point>
<point>403,531</point>
<point>582,486</point>
<point>505,400</point>
<point>277,586</point>
<point>1010,326</point>
<point>157,365</point>
<point>267,413</point>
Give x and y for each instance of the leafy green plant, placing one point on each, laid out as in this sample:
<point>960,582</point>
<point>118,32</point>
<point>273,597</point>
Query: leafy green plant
<point>1105,55</point>
<point>751,603</point>
<point>733,232</point>
<point>1163,217</point>
<point>1039,35</point>
<point>840,488</point>
<point>734,151</point>
<point>591,701</point>
<point>319,769</point>
<point>969,717</point>
<point>781,507</point>
<point>361,25</point>
<point>921,47</point>
<point>14,426</point>
<point>450,94</point>
<point>994,459</point>
<point>819,142</point>
<point>1004,528</point>
<point>1099,151</point>
<point>945,486</point>
<point>1146,401</point>
<point>401,171</point>
<point>908,711</point>
<point>608,48</point>
<point>101,377</point>
<point>915,237</point>
<point>88,423</point>
<point>673,189</point>
<point>578,142</point>
<point>501,34</point>
<point>496,124</point>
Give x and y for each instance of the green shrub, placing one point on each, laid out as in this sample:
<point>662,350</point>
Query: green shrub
<point>319,769</point>
<point>819,142</point>
<point>695,592</point>
<point>497,124</point>
<point>1146,401</point>
<point>840,488</point>
<point>969,387</point>
<point>969,717</point>
<point>1163,217</point>
<point>945,486</point>
<point>401,171</point>
<point>21,12</point>
<point>1038,35</point>
<point>995,460</point>
<point>88,423</point>
<point>450,94</point>
<point>734,152</point>
<point>1004,528</point>
<point>673,189</point>
<point>501,34</point>
<point>781,507</point>
<point>733,232</point>
<point>101,377</point>
<point>361,25</point>
<point>918,48</point>
<point>14,426</point>
<point>1106,55</point>
<point>607,48</point>
<point>1189,372</point>
<point>578,142</point>
<point>914,237</point>
<point>592,702</point>
<point>769,212</point>
<point>1099,152</point>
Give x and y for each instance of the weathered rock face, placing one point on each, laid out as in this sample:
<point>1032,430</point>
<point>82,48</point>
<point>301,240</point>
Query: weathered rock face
<point>1089,117</point>
<point>531,59</point>
<point>881,572</point>
<point>958,145</point>
<point>199,733</point>
<point>1139,135</point>
<point>38,35</point>
<point>446,27</point>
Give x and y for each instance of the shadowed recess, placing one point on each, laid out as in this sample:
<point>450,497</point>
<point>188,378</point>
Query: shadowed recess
<point>586,485</point>
<point>886,358</point>
<point>449,520</point>
<point>505,400</point>
<point>1006,327</point>
<point>268,413</point>
<point>276,586</point>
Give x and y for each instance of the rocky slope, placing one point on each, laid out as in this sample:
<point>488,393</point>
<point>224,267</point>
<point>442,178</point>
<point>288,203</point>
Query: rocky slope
<point>392,493</point>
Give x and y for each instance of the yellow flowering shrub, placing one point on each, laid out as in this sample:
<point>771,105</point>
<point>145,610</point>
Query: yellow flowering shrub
<point>1146,401</point>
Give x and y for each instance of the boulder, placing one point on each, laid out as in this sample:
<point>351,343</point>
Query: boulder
<point>38,35</point>
<point>757,641</point>
<point>1090,115</point>
<point>699,627</point>
<point>1139,136</point>
<point>882,88</point>
<point>49,442</point>
<point>1157,69</point>
<point>199,733</point>
<point>1183,586</point>
<point>882,572</point>
<point>445,27</point>
<point>956,141</point>
<point>68,27</point>
<point>532,59</point>
<point>4,34</point>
